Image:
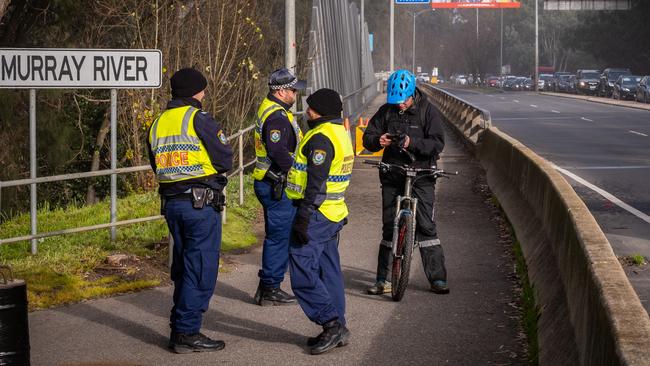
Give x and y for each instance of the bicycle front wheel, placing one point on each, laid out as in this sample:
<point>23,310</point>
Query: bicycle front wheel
<point>402,260</point>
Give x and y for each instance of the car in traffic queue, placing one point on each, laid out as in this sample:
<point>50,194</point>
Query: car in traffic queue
<point>544,82</point>
<point>587,81</point>
<point>509,82</point>
<point>625,87</point>
<point>607,80</point>
<point>643,90</point>
<point>555,81</point>
<point>563,83</point>
<point>492,81</point>
<point>528,84</point>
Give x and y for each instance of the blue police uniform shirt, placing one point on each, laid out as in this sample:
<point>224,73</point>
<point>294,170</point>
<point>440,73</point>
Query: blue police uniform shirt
<point>279,150</point>
<point>208,130</point>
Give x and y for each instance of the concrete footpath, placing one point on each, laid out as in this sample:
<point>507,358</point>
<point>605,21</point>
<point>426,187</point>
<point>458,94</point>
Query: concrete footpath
<point>476,324</point>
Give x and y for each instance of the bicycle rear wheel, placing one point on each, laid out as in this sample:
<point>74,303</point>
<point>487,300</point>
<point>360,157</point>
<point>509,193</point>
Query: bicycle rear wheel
<point>402,260</point>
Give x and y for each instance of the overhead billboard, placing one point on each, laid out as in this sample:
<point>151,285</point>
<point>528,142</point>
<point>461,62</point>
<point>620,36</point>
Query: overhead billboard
<point>483,4</point>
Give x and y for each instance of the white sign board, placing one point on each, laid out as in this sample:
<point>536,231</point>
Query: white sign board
<point>419,69</point>
<point>70,68</point>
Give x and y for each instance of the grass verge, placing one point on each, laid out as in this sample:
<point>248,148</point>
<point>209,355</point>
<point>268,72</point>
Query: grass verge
<point>72,268</point>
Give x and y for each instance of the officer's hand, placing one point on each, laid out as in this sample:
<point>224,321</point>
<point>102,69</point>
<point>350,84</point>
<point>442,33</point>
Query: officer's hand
<point>299,232</point>
<point>407,141</point>
<point>385,140</point>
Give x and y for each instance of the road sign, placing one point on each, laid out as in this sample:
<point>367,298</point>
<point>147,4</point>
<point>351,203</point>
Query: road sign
<point>70,68</point>
<point>475,4</point>
<point>412,1</point>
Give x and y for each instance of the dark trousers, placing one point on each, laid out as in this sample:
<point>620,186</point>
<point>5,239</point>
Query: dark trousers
<point>433,258</point>
<point>278,218</point>
<point>315,268</point>
<point>197,241</point>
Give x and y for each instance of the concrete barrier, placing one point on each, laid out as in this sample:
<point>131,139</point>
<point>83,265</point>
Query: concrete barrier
<point>589,313</point>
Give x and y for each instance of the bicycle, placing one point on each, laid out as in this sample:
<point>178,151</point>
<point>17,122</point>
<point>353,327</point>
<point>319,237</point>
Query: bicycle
<point>403,241</point>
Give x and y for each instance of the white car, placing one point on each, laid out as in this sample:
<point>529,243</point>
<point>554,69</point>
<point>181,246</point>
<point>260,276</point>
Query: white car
<point>423,76</point>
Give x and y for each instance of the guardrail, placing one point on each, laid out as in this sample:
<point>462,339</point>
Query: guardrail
<point>239,135</point>
<point>589,312</point>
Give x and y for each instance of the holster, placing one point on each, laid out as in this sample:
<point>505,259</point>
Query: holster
<point>278,184</point>
<point>201,196</point>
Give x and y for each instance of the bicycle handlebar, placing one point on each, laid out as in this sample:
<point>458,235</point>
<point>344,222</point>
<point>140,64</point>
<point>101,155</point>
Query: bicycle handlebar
<point>433,170</point>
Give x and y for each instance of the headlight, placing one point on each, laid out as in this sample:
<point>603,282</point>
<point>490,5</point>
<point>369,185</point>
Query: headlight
<point>582,83</point>
<point>626,89</point>
<point>610,83</point>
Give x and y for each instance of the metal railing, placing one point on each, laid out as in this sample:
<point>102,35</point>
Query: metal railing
<point>239,135</point>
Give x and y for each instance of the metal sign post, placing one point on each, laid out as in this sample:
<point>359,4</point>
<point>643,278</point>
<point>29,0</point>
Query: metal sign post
<point>47,68</point>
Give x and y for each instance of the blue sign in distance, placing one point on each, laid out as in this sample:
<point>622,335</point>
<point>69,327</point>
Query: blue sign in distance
<point>412,1</point>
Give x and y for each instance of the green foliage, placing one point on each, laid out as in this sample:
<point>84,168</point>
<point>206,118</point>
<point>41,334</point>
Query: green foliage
<point>638,259</point>
<point>60,272</point>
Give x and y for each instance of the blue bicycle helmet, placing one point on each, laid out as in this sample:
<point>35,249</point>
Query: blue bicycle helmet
<point>401,85</point>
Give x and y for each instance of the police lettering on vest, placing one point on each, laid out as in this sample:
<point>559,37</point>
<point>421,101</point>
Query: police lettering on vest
<point>178,151</point>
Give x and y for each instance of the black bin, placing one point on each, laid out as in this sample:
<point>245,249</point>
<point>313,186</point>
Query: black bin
<point>14,331</point>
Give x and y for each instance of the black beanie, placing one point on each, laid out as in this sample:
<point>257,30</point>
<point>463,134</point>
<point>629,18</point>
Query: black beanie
<point>187,83</point>
<point>325,102</point>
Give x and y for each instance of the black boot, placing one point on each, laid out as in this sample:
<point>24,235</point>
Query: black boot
<point>273,296</point>
<point>188,343</point>
<point>334,335</point>
<point>433,260</point>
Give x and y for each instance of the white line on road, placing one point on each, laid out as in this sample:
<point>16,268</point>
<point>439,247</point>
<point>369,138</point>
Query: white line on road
<point>554,111</point>
<point>607,167</point>
<point>534,106</point>
<point>515,100</point>
<point>530,118</point>
<point>586,119</point>
<point>638,133</point>
<point>605,194</point>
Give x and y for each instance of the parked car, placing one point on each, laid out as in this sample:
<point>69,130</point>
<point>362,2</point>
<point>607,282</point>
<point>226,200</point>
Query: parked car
<point>555,81</point>
<point>643,90</point>
<point>492,81</point>
<point>572,85</point>
<point>587,81</point>
<point>625,87</point>
<point>544,82</point>
<point>562,84</point>
<point>519,83</point>
<point>607,80</point>
<point>423,77</point>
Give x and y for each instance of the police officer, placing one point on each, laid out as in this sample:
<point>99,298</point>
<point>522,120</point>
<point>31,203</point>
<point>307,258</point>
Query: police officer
<point>276,135</point>
<point>317,182</point>
<point>189,154</point>
<point>408,122</point>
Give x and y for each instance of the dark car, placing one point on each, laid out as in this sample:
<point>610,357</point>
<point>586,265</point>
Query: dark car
<point>625,87</point>
<point>643,90</point>
<point>563,83</point>
<point>518,84</point>
<point>528,84</point>
<point>607,80</point>
<point>587,81</point>
<point>509,83</point>
<point>492,81</point>
<point>555,81</point>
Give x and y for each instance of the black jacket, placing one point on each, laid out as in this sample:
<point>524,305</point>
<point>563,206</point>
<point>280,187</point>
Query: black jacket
<point>279,148</point>
<point>209,131</point>
<point>421,123</point>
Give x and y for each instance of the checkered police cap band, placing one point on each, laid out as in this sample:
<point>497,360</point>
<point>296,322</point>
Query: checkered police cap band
<point>284,86</point>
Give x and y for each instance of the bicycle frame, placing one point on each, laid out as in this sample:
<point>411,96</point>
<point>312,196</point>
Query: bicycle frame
<point>411,205</point>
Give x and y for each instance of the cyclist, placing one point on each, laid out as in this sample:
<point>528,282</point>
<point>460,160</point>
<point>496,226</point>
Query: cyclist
<point>408,123</point>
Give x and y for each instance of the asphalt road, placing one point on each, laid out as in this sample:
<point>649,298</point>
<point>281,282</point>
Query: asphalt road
<point>476,324</point>
<point>602,150</point>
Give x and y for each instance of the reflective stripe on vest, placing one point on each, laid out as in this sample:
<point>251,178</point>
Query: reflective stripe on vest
<point>178,151</point>
<point>333,207</point>
<point>268,107</point>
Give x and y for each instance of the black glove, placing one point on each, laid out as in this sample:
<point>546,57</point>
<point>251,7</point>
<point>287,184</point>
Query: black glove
<point>300,224</point>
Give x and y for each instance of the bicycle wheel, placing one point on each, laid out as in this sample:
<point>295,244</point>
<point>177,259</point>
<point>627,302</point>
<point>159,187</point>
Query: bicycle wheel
<point>402,262</point>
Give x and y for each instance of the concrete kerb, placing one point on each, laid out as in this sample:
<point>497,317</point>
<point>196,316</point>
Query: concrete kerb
<point>620,103</point>
<point>590,314</point>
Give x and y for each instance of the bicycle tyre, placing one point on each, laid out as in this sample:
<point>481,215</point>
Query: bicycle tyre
<point>402,266</point>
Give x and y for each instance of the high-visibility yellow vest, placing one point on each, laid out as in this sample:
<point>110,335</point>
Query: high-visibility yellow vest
<point>334,207</point>
<point>263,162</point>
<point>180,154</point>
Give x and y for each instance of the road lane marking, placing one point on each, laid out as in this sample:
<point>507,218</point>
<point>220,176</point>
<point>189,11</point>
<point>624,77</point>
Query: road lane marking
<point>638,133</point>
<point>515,100</point>
<point>607,167</point>
<point>586,119</point>
<point>605,194</point>
<point>530,118</point>
<point>534,106</point>
<point>502,97</point>
<point>554,111</point>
